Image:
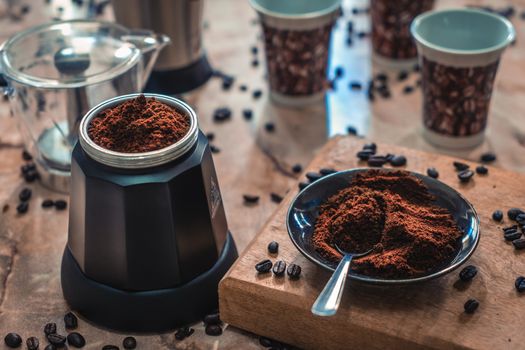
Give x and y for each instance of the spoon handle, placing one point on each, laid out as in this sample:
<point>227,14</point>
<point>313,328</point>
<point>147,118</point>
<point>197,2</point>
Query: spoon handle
<point>328,301</point>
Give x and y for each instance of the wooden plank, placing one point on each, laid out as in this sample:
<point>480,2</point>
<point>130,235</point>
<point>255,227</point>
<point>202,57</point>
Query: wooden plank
<point>427,315</point>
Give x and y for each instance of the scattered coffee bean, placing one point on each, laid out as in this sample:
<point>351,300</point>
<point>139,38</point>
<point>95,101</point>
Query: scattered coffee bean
<point>482,170</point>
<point>279,268</point>
<point>269,127</point>
<point>403,75</point>
<point>264,266</point>
<point>519,243</point>
<point>70,321</point>
<point>243,88</point>
<point>32,343</point>
<point>385,93</point>
<point>468,273</point>
<point>382,77</point>
<point>227,82</point>
<point>294,271</point>
<point>520,218</point>
<point>433,173</point>
<point>398,160</point>
<point>349,41</point>
<point>339,72</point>
<point>76,340</point>
<point>247,114</point>
<point>47,203</point>
<point>183,333</point>
<point>110,347</point>
<point>50,347</point>
<point>25,194</point>
<point>222,114</point>
<point>13,340</point>
<point>514,212</point>
<point>297,168</point>
<point>26,156</point>
<point>22,208</point>
<point>303,185</point>
<point>520,284</point>
<point>212,318</point>
<point>255,63</point>
<point>266,342</point>
<point>56,339</point>
<point>214,149</point>
<point>327,171</point>
<point>465,175</point>
<point>256,93</point>
<point>488,157</point>
<point>273,247</point>
<point>50,328</point>
<point>210,136</point>
<point>129,343</point>
<point>408,89</point>
<point>31,176</point>
<point>213,330</point>
<point>511,235</point>
<point>460,166</point>
<point>276,198</point>
<point>356,86</point>
<point>250,199</point>
<point>377,161</point>
<point>497,215</point>
<point>365,154</point>
<point>362,35</point>
<point>254,50</point>
<point>350,130</point>
<point>60,204</point>
<point>370,147</point>
<point>471,305</point>
<point>26,168</point>
<point>312,176</point>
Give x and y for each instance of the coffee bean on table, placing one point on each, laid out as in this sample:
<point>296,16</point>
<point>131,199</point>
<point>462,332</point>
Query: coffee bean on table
<point>50,347</point>
<point>276,198</point>
<point>460,166</point>
<point>222,114</point>
<point>433,173</point>
<point>210,136</point>
<point>183,333</point>
<point>47,203</point>
<point>213,330</point>
<point>497,215</point>
<point>465,175</point>
<point>514,212</point>
<point>519,243</point>
<point>110,347</point>
<point>303,185</point>
<point>60,204</point>
<point>355,85</point>
<point>312,176</point>
<point>26,156</point>
<point>269,127</point>
<point>327,171</point>
<point>488,157</point>
<point>26,168</point>
<point>56,339</point>
<point>243,87</point>
<point>350,130</point>
<point>468,273</point>
<point>25,194</point>
<point>76,340</point>
<point>129,343</point>
<point>471,305</point>
<point>264,266</point>
<point>297,168</point>
<point>212,318</point>
<point>482,170</point>
<point>371,147</point>
<point>520,284</point>
<point>255,63</point>
<point>273,247</point>
<point>247,114</point>
<point>408,89</point>
<point>13,340</point>
<point>403,75</point>
<point>50,328</point>
<point>377,161</point>
<point>70,320</point>
<point>31,176</point>
<point>214,149</point>
<point>398,160</point>
<point>294,271</point>
<point>256,94</point>
<point>512,235</point>
<point>22,208</point>
<point>520,219</point>
<point>279,268</point>
<point>365,154</point>
<point>32,343</point>
<point>250,199</point>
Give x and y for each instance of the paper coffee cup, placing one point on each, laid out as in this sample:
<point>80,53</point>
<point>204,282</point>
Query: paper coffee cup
<point>297,39</point>
<point>459,52</point>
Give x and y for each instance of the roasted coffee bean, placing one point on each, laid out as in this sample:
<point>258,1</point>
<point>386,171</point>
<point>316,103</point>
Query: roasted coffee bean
<point>266,342</point>
<point>255,63</point>
<point>210,136</point>
<point>297,168</point>
<point>50,328</point>
<point>247,114</point>
<point>510,228</point>
<point>403,75</point>
<point>269,127</point>
<point>25,194</point>
<point>251,199</point>
<point>312,176</point>
<point>110,347</point>
<point>294,271</point>
<point>365,154</point>
<point>398,160</point>
<point>468,273</point>
<point>254,50</point>
<point>26,168</point>
<point>256,94</point>
<point>276,198</point>
<point>243,88</point>
<point>339,72</point>
<point>356,86</point>
<point>382,77</point>
<point>433,173</point>
<point>273,247</point>
<point>370,147</point>
<point>385,93</point>
<point>279,268</point>
<point>70,321</point>
<point>303,185</point>
<point>349,41</point>
<point>520,218</point>
<point>227,82</point>
<point>408,89</point>
<point>519,243</point>
<point>362,35</point>
<point>350,130</point>
<point>497,215</point>
<point>56,339</point>
<point>76,340</point>
<point>47,203</point>
<point>31,176</point>
<point>214,149</point>
<point>460,166</point>
<point>327,171</point>
<point>488,157</point>
<point>60,204</point>
<point>471,305</point>
<point>212,318</point>
<point>13,340</point>
<point>482,170</point>
<point>50,347</point>
<point>213,330</point>
<point>22,208</point>
<point>222,114</point>
<point>26,156</point>
<point>264,266</point>
<point>514,212</point>
<point>520,284</point>
<point>465,175</point>
<point>377,161</point>
<point>32,343</point>
<point>511,235</point>
<point>183,333</point>
<point>129,343</point>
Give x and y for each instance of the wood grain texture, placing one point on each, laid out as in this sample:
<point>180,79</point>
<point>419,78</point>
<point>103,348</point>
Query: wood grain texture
<point>427,315</point>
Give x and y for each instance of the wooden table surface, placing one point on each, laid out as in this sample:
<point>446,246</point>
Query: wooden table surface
<point>251,160</point>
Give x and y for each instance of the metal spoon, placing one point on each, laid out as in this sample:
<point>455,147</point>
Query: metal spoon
<point>328,301</point>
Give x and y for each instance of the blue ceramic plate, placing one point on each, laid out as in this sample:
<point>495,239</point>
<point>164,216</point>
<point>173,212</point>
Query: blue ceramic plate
<point>303,213</point>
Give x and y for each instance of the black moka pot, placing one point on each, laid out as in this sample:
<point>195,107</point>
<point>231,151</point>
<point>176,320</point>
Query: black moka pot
<point>148,240</point>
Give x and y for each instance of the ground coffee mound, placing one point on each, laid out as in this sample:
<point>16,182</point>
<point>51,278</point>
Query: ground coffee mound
<point>394,214</point>
<point>138,125</point>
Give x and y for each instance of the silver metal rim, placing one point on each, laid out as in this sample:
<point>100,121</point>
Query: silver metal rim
<point>144,159</point>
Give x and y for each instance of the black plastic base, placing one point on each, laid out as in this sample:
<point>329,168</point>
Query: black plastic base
<point>177,81</point>
<point>149,311</point>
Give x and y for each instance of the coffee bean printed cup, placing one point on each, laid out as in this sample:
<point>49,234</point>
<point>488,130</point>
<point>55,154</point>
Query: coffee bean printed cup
<point>297,39</point>
<point>391,39</point>
<point>459,53</point>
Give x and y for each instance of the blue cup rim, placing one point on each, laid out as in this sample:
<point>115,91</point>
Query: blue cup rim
<point>511,35</point>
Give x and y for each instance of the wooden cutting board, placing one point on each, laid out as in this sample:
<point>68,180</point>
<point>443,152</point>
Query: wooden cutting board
<point>428,315</point>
